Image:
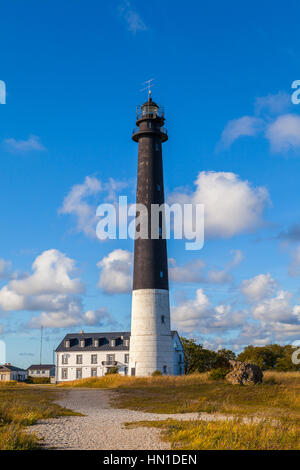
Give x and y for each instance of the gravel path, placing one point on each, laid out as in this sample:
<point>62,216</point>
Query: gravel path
<point>102,427</point>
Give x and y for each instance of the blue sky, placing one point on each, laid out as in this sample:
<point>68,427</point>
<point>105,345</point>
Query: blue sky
<point>73,72</point>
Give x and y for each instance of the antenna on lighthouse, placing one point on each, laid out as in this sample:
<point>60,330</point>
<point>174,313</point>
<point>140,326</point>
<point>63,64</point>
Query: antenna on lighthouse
<point>148,86</point>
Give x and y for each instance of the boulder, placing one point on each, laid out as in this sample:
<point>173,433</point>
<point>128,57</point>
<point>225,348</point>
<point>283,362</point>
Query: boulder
<point>243,373</point>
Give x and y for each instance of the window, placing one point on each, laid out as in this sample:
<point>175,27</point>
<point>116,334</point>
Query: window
<point>110,358</point>
<point>157,148</point>
<point>82,343</point>
<point>126,358</point>
<point>67,343</point>
<point>113,343</point>
<point>164,369</point>
<point>161,274</point>
<point>79,359</point>
<point>38,371</point>
<point>126,342</point>
<point>158,187</point>
<point>163,319</point>
<point>180,358</point>
<point>78,373</point>
<point>96,343</point>
<point>64,373</point>
<point>64,359</point>
<point>43,372</point>
<point>94,359</point>
<point>93,372</point>
<point>126,370</point>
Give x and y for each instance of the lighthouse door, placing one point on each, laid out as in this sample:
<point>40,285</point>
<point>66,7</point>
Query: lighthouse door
<point>133,371</point>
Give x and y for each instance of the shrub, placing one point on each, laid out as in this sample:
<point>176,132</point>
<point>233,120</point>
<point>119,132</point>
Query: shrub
<point>38,380</point>
<point>218,374</point>
<point>156,373</point>
<point>112,370</point>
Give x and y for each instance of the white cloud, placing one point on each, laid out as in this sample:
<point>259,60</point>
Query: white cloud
<point>231,205</point>
<point>258,287</point>
<point>132,17</point>
<point>284,133</point>
<point>82,200</point>
<point>5,268</point>
<point>244,126</point>
<point>31,144</point>
<point>194,271</point>
<point>273,104</point>
<point>189,272</point>
<point>51,275</point>
<point>276,309</point>
<point>69,318</point>
<point>116,272</point>
<point>75,204</point>
<point>200,315</point>
<point>294,268</point>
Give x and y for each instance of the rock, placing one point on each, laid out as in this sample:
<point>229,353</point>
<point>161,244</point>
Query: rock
<point>243,373</point>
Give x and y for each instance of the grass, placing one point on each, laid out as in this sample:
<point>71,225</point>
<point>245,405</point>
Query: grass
<point>276,402</point>
<point>278,396</point>
<point>226,435</point>
<point>21,406</point>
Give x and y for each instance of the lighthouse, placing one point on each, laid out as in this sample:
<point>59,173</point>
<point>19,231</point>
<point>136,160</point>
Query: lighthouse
<point>150,340</point>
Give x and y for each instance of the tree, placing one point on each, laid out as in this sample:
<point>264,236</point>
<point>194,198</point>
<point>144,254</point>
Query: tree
<point>199,359</point>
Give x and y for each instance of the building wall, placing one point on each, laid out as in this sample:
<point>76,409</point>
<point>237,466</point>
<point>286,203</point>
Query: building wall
<point>41,373</point>
<point>87,366</point>
<point>20,376</point>
<point>4,376</point>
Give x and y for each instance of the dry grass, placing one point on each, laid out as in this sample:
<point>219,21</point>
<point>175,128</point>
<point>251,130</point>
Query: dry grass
<point>113,381</point>
<point>227,435</point>
<point>21,406</point>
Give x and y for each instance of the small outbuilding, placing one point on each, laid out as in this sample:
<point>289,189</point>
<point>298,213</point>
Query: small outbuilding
<point>9,372</point>
<point>41,370</point>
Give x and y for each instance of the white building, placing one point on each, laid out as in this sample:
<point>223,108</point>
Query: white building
<point>9,372</point>
<point>83,355</point>
<point>41,370</point>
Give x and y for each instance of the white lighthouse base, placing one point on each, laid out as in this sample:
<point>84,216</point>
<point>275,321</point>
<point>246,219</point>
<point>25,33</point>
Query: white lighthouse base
<point>150,340</point>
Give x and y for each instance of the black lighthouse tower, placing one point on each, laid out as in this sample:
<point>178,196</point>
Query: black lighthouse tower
<point>150,344</point>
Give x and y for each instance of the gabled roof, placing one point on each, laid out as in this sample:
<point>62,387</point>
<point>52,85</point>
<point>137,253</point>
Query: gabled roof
<point>11,368</point>
<point>104,341</point>
<point>41,366</point>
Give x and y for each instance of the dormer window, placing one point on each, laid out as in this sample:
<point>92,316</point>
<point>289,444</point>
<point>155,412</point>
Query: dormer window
<point>113,343</point>
<point>126,342</point>
<point>82,343</point>
<point>96,343</point>
<point>67,343</point>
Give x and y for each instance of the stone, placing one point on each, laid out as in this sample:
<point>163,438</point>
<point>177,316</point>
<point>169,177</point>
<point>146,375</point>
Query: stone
<point>243,373</point>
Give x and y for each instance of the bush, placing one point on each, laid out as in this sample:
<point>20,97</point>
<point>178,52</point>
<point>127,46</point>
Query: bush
<point>38,380</point>
<point>112,370</point>
<point>156,373</point>
<point>218,374</point>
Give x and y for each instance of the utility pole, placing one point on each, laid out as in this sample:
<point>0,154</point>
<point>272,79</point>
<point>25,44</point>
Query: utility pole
<point>41,347</point>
